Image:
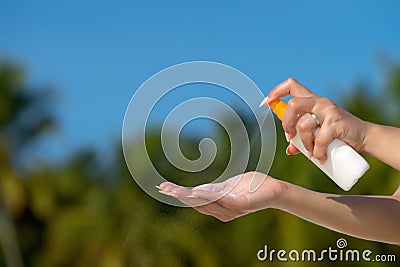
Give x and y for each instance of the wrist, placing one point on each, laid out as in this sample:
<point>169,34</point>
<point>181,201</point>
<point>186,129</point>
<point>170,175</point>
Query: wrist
<point>369,143</point>
<point>286,195</point>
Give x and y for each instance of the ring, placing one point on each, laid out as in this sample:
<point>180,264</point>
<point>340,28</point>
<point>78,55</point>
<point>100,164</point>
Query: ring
<point>316,119</point>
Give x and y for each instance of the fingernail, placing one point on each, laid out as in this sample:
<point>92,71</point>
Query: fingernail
<point>158,187</point>
<point>264,102</point>
<point>287,151</point>
<point>287,137</point>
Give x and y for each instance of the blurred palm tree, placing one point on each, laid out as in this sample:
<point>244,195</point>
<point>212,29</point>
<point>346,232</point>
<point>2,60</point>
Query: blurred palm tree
<point>23,118</point>
<point>84,212</point>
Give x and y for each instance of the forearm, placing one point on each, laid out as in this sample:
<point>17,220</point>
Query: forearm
<point>383,143</point>
<point>368,217</point>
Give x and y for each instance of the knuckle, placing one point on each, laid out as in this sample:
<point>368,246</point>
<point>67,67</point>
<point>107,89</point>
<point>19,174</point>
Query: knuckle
<point>286,125</point>
<point>334,119</point>
<point>318,153</point>
<point>319,142</point>
<point>292,103</point>
<point>291,80</point>
<point>328,105</point>
<point>289,127</point>
<point>302,125</point>
<point>320,157</point>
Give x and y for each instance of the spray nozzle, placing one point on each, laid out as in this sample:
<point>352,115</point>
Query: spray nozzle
<point>278,107</point>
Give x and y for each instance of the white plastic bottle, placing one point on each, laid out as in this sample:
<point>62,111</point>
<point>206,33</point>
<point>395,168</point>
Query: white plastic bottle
<point>343,165</point>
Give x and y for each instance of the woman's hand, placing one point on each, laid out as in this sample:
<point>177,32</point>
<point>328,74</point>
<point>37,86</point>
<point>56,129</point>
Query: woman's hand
<point>230,199</point>
<point>369,217</point>
<point>335,122</point>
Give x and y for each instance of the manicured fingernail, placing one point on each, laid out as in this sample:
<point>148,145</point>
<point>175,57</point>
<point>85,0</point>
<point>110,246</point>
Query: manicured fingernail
<point>287,151</point>
<point>265,101</point>
<point>158,187</point>
<point>287,137</point>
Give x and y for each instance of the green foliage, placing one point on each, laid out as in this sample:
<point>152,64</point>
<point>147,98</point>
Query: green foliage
<point>83,213</point>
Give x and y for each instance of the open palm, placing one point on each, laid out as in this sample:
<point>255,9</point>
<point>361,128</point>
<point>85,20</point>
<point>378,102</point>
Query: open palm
<point>232,198</point>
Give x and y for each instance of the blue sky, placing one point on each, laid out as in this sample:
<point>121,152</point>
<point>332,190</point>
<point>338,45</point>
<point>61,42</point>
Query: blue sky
<point>98,52</point>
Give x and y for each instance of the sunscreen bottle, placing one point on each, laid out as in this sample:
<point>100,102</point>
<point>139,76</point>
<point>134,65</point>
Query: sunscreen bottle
<point>343,165</point>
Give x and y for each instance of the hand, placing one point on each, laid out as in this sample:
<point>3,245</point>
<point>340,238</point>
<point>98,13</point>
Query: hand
<point>335,122</point>
<point>230,199</point>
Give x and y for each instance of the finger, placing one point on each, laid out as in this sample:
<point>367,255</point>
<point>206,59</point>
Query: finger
<point>185,200</point>
<point>234,201</point>
<point>165,185</point>
<point>292,150</point>
<point>210,196</point>
<point>289,87</point>
<point>181,191</point>
<point>306,126</point>
<point>222,187</point>
<point>188,196</point>
<point>174,190</point>
<point>168,193</point>
<point>184,195</point>
<point>214,187</point>
<point>297,107</point>
<point>180,196</point>
<point>168,188</point>
<point>323,138</point>
<point>193,202</point>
